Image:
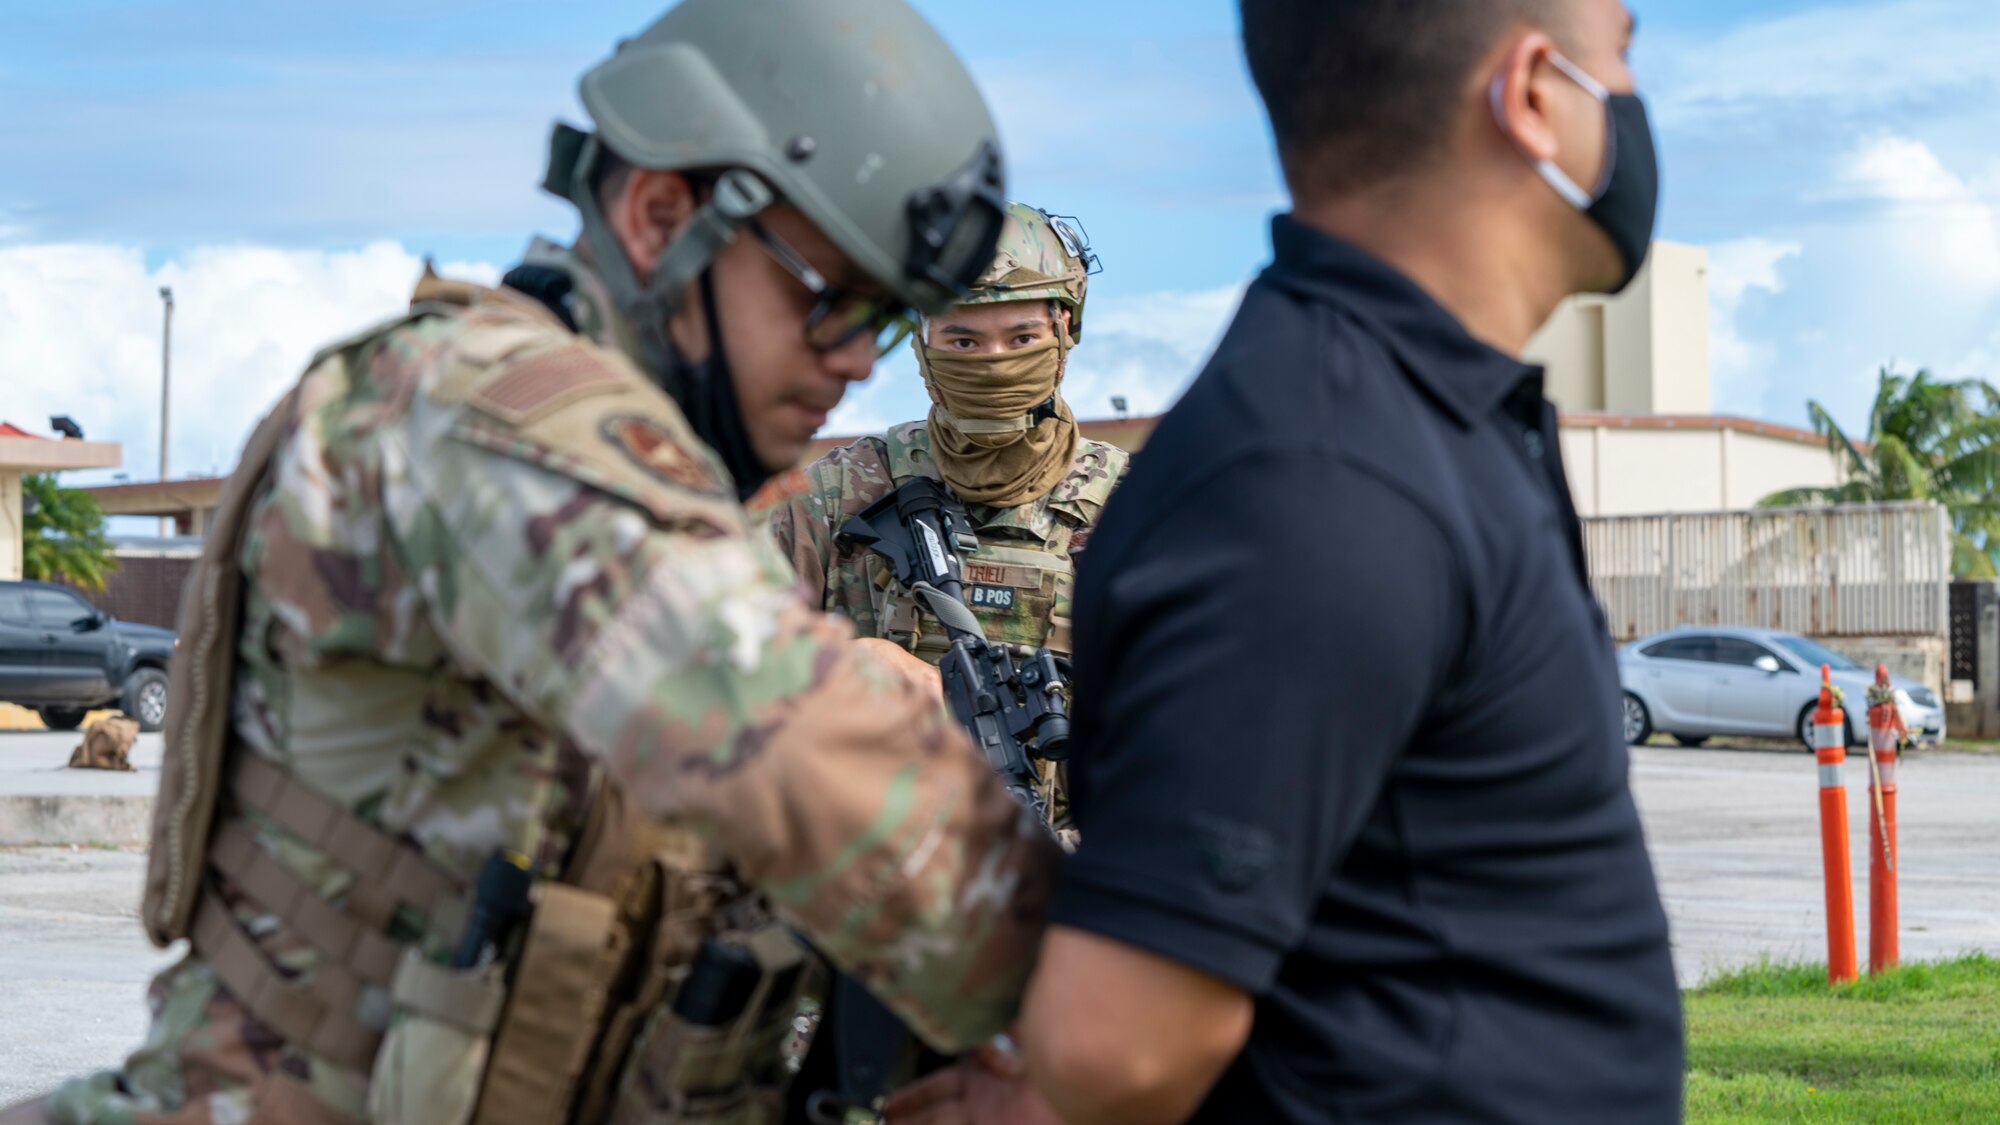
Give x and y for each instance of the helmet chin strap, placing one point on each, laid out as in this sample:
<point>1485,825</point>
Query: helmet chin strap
<point>705,390</point>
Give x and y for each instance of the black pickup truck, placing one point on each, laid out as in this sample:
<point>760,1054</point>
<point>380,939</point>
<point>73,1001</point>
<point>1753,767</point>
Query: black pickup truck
<point>64,657</point>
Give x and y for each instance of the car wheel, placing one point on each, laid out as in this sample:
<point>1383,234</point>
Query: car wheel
<point>146,698</point>
<point>61,718</point>
<point>1806,727</point>
<point>1692,741</point>
<point>1638,721</point>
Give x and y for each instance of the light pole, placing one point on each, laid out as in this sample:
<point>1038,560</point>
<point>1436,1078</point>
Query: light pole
<point>166,377</point>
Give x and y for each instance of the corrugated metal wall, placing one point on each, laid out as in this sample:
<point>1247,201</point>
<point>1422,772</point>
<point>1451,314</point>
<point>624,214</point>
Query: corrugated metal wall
<point>1867,570</point>
<point>144,588</point>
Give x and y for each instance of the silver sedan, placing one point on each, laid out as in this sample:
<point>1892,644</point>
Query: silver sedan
<point>1693,683</point>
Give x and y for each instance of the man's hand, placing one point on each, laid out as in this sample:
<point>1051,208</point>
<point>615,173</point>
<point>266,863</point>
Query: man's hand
<point>894,657</point>
<point>988,1087</point>
<point>1119,1036</point>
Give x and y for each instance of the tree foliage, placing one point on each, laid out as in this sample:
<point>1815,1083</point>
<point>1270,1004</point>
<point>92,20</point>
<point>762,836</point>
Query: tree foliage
<point>1927,440</point>
<point>63,535</point>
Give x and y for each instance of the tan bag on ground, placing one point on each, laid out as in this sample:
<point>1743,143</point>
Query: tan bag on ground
<point>107,745</point>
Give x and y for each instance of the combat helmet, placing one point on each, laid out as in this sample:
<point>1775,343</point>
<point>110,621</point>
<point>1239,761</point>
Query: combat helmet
<point>856,112</point>
<point>1039,256</point>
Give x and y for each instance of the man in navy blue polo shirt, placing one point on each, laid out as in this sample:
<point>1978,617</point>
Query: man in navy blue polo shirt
<point>1358,844</point>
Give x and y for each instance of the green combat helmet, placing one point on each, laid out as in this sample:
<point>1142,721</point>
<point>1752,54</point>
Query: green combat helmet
<point>857,113</point>
<point>1039,256</point>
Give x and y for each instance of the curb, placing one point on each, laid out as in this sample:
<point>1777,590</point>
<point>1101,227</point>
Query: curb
<point>63,819</point>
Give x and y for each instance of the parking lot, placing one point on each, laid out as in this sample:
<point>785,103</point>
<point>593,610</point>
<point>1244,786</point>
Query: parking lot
<point>1734,835</point>
<point>1735,839</point>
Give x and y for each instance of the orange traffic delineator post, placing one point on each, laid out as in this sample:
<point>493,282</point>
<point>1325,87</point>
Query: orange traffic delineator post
<point>1830,747</point>
<point>1886,735</point>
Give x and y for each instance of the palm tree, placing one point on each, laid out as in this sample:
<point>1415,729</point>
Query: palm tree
<point>1927,440</point>
<point>63,535</point>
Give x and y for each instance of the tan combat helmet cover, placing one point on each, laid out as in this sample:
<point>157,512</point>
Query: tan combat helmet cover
<point>1040,256</point>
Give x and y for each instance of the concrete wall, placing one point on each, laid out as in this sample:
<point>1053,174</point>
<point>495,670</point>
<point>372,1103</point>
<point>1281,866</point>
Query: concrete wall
<point>1644,351</point>
<point>1760,465</point>
<point>1923,659</point>
<point>1704,465</point>
<point>1570,348</point>
<point>11,530</point>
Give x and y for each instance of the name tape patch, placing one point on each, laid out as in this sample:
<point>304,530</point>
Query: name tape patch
<point>1004,574</point>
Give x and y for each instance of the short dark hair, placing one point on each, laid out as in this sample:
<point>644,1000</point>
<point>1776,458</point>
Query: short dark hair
<point>1362,91</point>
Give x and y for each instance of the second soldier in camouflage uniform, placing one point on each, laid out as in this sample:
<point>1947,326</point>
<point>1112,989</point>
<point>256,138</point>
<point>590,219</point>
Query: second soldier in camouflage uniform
<point>999,435</point>
<point>488,571</point>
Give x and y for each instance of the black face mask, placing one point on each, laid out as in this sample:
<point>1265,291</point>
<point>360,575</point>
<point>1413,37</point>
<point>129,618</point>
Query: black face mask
<point>706,392</point>
<point>1626,204</point>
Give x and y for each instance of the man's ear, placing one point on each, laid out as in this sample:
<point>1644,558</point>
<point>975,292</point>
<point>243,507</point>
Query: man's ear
<point>1521,96</point>
<point>647,212</point>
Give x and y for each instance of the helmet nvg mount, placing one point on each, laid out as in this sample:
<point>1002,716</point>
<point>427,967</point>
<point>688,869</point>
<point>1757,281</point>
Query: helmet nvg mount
<point>1040,257</point>
<point>857,113</point>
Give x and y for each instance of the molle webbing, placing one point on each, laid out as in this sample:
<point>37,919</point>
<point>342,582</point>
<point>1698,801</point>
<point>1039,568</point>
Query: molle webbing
<point>387,872</point>
<point>340,1012</point>
<point>317,1016</point>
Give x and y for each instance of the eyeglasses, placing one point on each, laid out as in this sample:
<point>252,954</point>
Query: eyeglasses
<point>838,317</point>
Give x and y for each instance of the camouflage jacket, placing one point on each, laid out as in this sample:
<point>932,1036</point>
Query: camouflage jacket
<point>1020,580</point>
<point>491,565</point>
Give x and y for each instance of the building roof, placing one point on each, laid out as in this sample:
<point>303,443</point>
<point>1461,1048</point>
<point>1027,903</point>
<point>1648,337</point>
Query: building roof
<point>1586,421</point>
<point>22,451</point>
<point>158,497</point>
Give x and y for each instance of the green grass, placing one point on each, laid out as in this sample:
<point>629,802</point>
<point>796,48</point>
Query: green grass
<point>1776,1043</point>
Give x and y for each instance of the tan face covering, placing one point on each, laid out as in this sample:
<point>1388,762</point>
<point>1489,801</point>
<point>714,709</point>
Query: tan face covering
<point>986,446</point>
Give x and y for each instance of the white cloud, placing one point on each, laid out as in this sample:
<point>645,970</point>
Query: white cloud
<point>1835,58</point>
<point>1860,133</point>
<point>80,335</point>
<point>1939,221</point>
<point>1740,368</point>
<point>1146,347</point>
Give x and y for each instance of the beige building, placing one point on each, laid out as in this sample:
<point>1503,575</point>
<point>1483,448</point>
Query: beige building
<point>1640,464</point>
<point>1630,375</point>
<point>22,453</point>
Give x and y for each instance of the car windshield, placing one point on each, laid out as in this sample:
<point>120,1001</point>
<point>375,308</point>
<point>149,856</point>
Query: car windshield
<point>1815,654</point>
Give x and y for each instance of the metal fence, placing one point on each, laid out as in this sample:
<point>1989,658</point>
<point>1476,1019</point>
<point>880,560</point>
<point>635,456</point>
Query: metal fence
<point>1866,570</point>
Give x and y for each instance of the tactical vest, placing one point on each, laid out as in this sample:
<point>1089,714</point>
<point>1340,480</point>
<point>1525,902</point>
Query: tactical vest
<point>645,985</point>
<point>1021,587</point>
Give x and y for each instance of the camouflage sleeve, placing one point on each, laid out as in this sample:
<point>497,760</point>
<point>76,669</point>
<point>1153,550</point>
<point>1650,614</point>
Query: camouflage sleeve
<point>807,523</point>
<point>804,532</point>
<point>593,565</point>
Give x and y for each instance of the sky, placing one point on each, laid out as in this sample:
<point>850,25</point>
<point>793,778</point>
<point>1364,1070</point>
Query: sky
<point>287,167</point>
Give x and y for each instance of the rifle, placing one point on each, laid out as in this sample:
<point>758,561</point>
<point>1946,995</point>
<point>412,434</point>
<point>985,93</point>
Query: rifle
<point>1016,714</point>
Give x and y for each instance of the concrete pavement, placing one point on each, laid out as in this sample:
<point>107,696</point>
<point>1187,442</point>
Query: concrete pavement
<point>1734,836</point>
<point>73,964</point>
<point>43,801</point>
<point>1735,839</point>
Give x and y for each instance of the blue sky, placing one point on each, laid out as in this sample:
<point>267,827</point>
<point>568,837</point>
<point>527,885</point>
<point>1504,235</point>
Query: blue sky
<point>283,165</point>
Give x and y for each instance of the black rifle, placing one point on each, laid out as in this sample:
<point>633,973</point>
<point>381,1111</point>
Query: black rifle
<point>1016,714</point>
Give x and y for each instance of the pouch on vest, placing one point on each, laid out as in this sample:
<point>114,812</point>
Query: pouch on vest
<point>713,1056</point>
<point>428,1069</point>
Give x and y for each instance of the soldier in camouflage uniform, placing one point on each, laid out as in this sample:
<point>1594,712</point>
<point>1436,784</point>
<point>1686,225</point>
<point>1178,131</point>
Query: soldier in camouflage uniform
<point>495,578</point>
<point>999,435</point>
